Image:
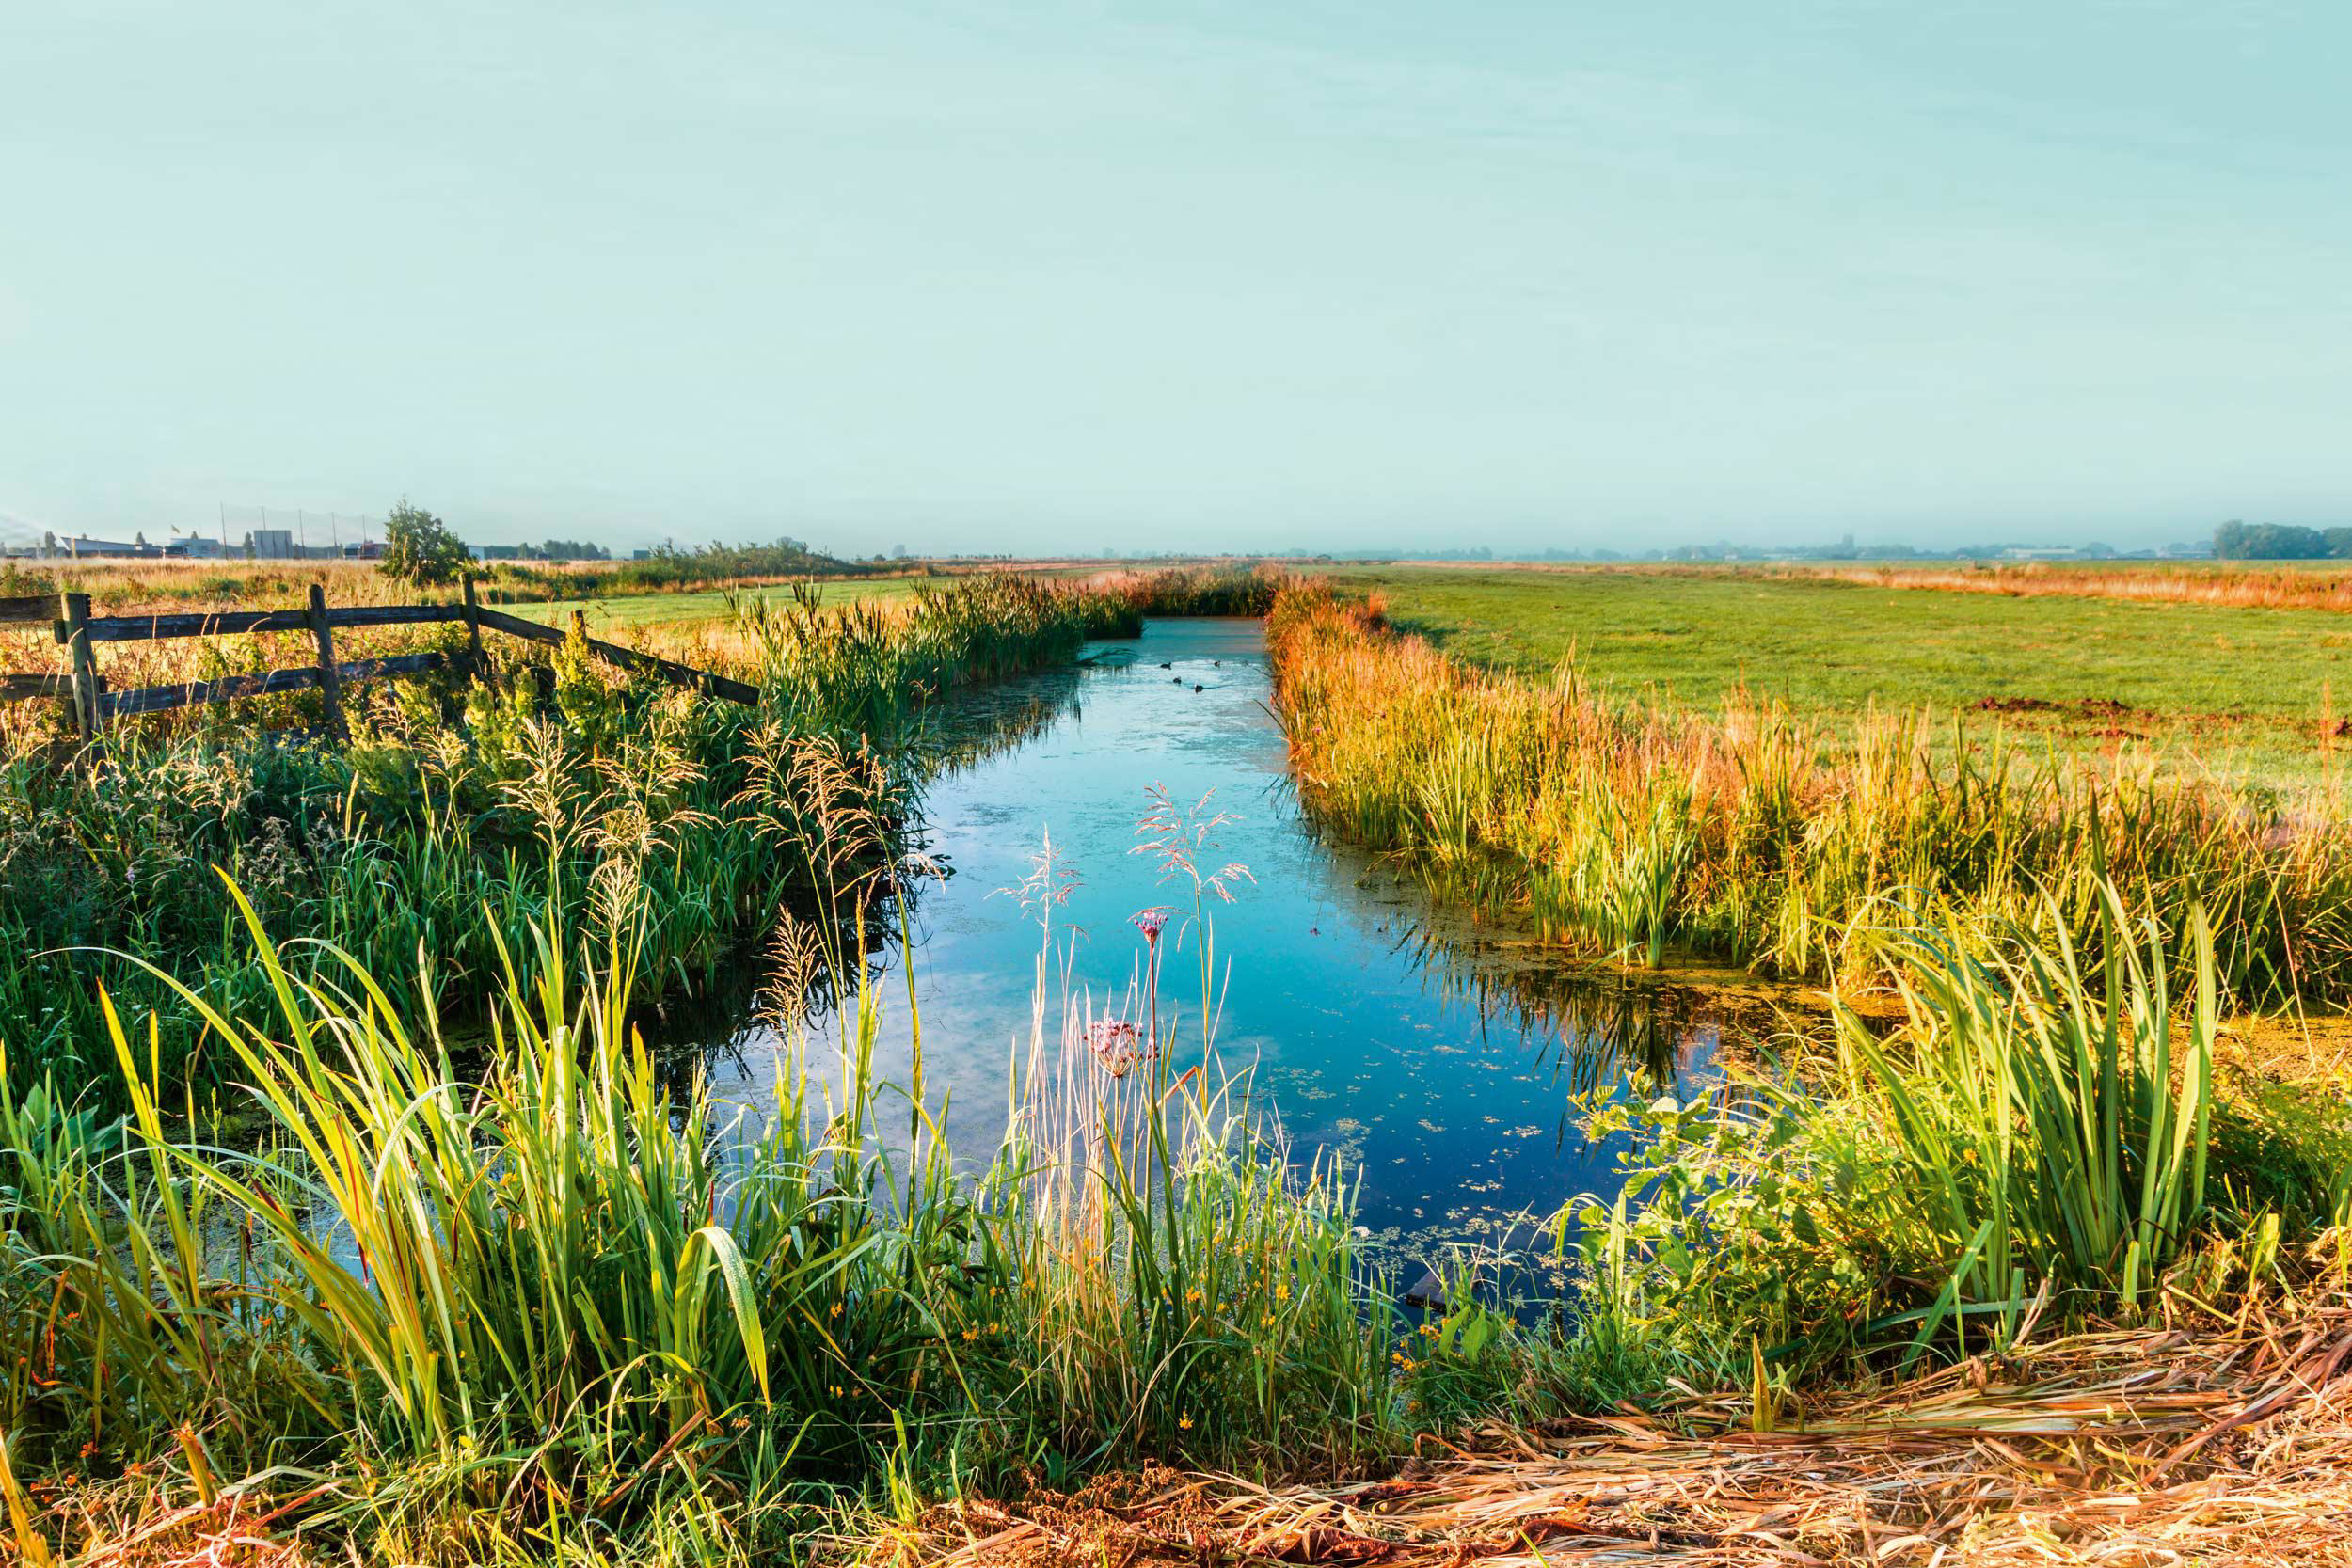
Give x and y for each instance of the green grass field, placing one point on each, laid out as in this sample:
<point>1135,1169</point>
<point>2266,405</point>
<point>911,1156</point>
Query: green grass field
<point>620,613</point>
<point>2242,691</point>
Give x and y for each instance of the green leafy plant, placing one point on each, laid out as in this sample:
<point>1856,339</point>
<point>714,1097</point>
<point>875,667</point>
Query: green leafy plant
<point>2052,1128</point>
<point>419,549</point>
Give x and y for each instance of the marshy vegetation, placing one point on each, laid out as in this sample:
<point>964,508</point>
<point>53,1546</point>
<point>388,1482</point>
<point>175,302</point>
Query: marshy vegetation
<point>486,1277</point>
<point>461,812</point>
<point>2218,683</point>
<point>133,584</point>
<point>546,1304</point>
<point>1636,828</point>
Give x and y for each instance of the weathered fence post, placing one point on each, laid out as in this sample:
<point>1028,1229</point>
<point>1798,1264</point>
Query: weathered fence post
<point>477,667</point>
<point>73,631</point>
<point>79,632</point>
<point>330,685</point>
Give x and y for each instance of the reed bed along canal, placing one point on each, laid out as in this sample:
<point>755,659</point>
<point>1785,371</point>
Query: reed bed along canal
<point>1439,1057</point>
<point>1004,1053</point>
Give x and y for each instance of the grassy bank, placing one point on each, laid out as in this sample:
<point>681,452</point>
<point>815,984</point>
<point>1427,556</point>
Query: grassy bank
<point>521,1292</point>
<point>695,624</point>
<point>1168,591</point>
<point>459,813</point>
<point>538,1306</point>
<point>549,1304</point>
<point>2238,687</point>
<point>1764,835</point>
<point>130,587</point>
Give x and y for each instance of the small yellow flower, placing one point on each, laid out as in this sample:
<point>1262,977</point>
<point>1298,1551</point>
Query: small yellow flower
<point>1282,1293</point>
<point>836,1309</point>
<point>1193,1294</point>
<point>1184,1422</point>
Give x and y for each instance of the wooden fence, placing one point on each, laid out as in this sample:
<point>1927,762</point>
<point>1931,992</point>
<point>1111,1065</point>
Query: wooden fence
<point>79,632</point>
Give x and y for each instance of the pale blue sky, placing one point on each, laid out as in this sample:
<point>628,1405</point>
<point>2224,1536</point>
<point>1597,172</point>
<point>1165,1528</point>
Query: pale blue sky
<point>1044,276</point>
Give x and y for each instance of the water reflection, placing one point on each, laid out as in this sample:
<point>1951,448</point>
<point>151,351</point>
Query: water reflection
<point>977,726</point>
<point>1607,1026</point>
<point>1442,1058</point>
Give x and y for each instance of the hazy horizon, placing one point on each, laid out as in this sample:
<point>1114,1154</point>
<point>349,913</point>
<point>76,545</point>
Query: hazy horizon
<point>1211,278</point>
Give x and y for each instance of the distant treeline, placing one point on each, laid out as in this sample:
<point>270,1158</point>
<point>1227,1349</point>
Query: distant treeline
<point>670,568</point>
<point>2235,541</point>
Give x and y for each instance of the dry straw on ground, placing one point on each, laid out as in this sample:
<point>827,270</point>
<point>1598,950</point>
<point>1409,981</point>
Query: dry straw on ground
<point>2122,1449</point>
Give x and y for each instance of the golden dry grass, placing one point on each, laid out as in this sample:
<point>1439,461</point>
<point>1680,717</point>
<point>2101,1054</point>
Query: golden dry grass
<point>154,587</point>
<point>2240,584</point>
<point>2244,585</point>
<point>2222,1440</point>
<point>1769,835</point>
<point>716,644</point>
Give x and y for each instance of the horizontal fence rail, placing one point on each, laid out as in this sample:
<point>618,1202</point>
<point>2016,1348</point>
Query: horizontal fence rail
<point>628,658</point>
<point>232,623</point>
<point>160,698</point>
<point>77,631</point>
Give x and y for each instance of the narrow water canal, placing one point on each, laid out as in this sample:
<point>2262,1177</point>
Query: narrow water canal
<point>1438,1057</point>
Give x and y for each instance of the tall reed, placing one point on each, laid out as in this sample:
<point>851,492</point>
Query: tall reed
<point>540,1286</point>
<point>2032,1139</point>
<point>1632,827</point>
<point>2053,1129</point>
<point>545,1300</point>
<point>455,814</point>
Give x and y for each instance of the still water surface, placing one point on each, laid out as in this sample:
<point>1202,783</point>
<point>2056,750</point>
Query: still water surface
<point>1439,1057</point>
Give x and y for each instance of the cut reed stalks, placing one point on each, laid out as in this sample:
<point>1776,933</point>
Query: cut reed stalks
<point>2210,1439</point>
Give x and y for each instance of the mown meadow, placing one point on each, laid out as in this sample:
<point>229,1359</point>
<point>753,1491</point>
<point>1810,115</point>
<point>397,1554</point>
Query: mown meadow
<point>1781,837</point>
<point>482,1277</point>
<point>2243,677</point>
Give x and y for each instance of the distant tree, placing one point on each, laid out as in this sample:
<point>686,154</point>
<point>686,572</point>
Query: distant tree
<point>2236,541</point>
<point>2339,543</point>
<point>418,547</point>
